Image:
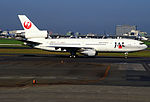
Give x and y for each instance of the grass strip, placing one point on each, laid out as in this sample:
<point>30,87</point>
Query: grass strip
<point>27,51</point>
<point>9,41</point>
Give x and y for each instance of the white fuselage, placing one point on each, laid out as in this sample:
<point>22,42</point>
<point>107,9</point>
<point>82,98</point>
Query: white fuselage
<point>87,46</point>
<point>99,45</point>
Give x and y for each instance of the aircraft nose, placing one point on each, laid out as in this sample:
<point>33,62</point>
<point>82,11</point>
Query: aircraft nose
<point>144,46</point>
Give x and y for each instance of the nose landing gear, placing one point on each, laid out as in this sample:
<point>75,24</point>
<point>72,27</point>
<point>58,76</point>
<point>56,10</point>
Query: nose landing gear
<point>126,55</point>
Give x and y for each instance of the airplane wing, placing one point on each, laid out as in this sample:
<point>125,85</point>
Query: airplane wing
<point>71,46</point>
<point>89,51</point>
<point>74,48</point>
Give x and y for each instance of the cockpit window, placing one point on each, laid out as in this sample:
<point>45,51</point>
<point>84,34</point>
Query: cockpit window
<point>141,43</point>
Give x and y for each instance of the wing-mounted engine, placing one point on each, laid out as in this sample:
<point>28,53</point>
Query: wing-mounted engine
<point>89,52</point>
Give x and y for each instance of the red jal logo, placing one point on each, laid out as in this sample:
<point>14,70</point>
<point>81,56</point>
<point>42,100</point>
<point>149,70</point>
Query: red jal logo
<point>27,25</point>
<point>120,47</point>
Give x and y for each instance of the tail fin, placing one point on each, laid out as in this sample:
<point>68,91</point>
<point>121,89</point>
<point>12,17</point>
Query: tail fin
<point>31,31</point>
<point>27,24</point>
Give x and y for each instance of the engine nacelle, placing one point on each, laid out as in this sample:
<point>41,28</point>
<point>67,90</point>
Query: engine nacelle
<point>89,52</point>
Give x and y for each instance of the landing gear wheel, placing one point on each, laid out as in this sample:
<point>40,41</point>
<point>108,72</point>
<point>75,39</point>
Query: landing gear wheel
<point>126,55</point>
<point>72,53</point>
<point>72,56</point>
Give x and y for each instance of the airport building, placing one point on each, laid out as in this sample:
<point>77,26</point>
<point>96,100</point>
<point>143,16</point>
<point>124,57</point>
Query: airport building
<point>137,34</point>
<point>124,29</point>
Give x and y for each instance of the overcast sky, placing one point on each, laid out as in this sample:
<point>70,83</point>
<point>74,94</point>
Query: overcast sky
<point>85,16</point>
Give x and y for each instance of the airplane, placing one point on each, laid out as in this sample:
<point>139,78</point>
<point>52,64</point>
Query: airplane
<point>87,46</point>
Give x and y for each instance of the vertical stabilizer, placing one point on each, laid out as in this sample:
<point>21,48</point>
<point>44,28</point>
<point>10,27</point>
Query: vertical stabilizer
<point>31,31</point>
<point>27,24</point>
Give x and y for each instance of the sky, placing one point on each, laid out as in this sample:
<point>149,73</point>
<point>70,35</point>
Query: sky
<point>84,16</point>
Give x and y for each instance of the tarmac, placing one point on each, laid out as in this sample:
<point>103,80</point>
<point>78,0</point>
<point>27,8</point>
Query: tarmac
<point>56,78</point>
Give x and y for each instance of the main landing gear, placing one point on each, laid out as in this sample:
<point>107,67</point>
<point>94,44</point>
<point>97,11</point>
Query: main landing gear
<point>72,56</point>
